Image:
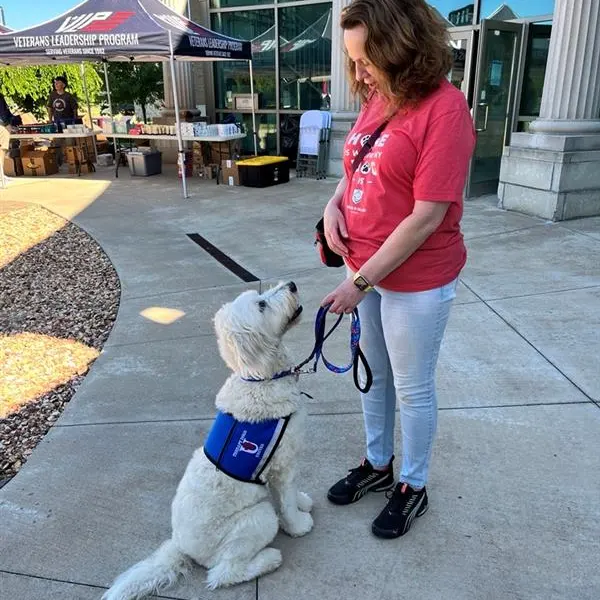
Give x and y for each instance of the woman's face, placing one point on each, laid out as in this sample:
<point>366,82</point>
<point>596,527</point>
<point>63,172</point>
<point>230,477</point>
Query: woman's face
<point>365,71</point>
<point>59,86</point>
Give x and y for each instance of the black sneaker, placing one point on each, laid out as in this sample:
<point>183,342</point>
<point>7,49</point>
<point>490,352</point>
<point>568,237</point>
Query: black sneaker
<point>361,480</point>
<point>404,505</point>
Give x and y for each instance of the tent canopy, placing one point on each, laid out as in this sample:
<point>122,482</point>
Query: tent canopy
<point>118,30</point>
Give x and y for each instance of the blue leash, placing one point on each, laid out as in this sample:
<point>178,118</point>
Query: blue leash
<point>356,353</point>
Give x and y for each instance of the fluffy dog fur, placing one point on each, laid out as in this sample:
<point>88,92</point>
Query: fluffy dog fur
<point>218,522</point>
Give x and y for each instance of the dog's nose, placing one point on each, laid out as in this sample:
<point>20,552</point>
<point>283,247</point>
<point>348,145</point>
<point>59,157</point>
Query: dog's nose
<point>292,286</point>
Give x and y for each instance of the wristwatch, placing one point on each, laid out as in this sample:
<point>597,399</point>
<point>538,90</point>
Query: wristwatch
<point>361,283</point>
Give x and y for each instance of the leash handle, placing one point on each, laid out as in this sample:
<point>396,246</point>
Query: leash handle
<point>357,355</point>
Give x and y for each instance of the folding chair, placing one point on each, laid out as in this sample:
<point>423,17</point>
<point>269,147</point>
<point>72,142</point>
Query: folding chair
<point>313,144</point>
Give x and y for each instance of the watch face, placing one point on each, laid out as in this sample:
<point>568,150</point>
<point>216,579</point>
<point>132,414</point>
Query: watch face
<point>361,283</point>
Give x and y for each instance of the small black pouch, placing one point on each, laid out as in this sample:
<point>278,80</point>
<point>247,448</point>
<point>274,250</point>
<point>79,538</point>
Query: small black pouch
<point>328,257</point>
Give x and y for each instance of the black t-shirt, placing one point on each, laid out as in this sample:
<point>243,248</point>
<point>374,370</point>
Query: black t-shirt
<point>63,106</point>
<point>6,117</point>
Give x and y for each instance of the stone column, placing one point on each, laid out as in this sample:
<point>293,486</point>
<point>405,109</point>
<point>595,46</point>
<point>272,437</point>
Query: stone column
<point>344,108</point>
<point>571,95</point>
<point>553,171</point>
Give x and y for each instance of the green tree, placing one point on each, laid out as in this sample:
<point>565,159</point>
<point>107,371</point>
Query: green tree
<point>28,88</point>
<point>135,83</point>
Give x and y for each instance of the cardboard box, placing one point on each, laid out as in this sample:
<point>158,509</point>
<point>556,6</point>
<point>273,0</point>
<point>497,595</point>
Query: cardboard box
<point>13,166</point>
<point>209,171</point>
<point>230,174</point>
<point>88,144</point>
<point>40,163</point>
<point>224,151</point>
<point>76,154</point>
<point>26,148</point>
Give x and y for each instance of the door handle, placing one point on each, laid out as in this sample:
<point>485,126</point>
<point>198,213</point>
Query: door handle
<point>485,120</point>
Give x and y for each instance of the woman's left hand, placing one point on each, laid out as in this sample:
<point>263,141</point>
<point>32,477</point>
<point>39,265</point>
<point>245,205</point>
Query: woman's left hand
<point>344,298</point>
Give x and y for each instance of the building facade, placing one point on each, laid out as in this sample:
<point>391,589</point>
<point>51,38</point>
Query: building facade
<point>530,70</point>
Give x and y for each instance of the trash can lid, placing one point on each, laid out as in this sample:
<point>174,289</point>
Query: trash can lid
<point>259,161</point>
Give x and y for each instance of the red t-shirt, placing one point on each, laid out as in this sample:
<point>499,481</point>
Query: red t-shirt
<point>422,154</point>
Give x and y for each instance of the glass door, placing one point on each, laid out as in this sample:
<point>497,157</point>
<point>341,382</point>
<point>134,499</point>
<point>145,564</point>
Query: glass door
<point>493,101</point>
<point>462,44</point>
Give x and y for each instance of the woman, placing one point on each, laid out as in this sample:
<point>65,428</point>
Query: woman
<point>396,222</point>
<point>62,106</point>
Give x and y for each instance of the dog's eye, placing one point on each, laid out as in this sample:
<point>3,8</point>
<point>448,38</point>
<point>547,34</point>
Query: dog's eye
<point>262,305</point>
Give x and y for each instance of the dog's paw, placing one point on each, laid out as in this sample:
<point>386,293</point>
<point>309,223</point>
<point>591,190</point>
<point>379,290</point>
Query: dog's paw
<point>305,502</point>
<point>299,526</point>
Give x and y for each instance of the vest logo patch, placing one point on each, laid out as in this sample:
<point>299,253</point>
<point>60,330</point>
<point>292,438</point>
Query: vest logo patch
<point>245,445</point>
<point>242,449</point>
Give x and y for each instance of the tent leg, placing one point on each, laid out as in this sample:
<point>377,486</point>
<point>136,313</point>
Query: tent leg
<point>110,109</point>
<point>181,153</point>
<point>254,132</point>
<point>89,108</point>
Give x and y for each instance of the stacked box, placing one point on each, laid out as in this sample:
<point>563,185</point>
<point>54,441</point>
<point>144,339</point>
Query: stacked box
<point>88,144</point>
<point>76,154</point>
<point>230,174</point>
<point>189,165</point>
<point>13,166</point>
<point>79,159</point>
<point>38,163</point>
<point>197,159</point>
<point>224,151</point>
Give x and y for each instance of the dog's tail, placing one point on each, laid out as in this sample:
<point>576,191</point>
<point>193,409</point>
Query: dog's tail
<point>158,571</point>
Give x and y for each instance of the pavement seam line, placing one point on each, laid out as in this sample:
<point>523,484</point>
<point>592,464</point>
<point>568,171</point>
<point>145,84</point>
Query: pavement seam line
<point>507,232</point>
<point>146,342</point>
<point>507,322</point>
<point>532,295</point>
<point>325,414</point>
<point>77,583</point>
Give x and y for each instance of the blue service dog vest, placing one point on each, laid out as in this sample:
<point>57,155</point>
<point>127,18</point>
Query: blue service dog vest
<point>242,450</point>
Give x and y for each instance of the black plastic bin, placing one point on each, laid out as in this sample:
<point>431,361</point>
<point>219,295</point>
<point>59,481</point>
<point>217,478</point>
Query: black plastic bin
<point>262,171</point>
<point>144,164</point>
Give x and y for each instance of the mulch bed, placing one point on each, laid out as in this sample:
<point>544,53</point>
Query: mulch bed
<point>56,284</point>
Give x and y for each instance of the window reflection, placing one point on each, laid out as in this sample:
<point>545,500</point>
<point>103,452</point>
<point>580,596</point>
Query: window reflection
<point>266,129</point>
<point>455,13</point>
<point>515,9</point>
<point>232,79</point>
<point>538,45</point>
<point>228,3</point>
<point>305,56</point>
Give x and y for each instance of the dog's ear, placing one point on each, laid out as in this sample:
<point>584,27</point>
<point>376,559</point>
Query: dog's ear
<point>242,347</point>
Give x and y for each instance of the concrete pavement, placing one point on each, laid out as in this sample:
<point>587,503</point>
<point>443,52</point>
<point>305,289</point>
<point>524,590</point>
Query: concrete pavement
<point>515,483</point>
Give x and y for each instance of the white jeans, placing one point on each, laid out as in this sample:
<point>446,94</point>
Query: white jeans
<point>401,335</point>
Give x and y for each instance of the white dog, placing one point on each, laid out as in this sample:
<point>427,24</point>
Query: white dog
<point>217,521</point>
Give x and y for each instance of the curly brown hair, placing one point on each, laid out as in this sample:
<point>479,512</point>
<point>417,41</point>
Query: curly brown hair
<point>406,41</point>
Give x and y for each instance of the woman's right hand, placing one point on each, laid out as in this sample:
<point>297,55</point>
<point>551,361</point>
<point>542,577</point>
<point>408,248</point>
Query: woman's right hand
<point>335,228</point>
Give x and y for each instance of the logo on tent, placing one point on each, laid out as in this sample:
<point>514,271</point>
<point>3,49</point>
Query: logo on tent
<point>181,24</point>
<point>98,22</point>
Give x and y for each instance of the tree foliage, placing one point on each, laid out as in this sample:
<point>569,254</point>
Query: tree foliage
<point>135,83</point>
<point>28,88</point>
